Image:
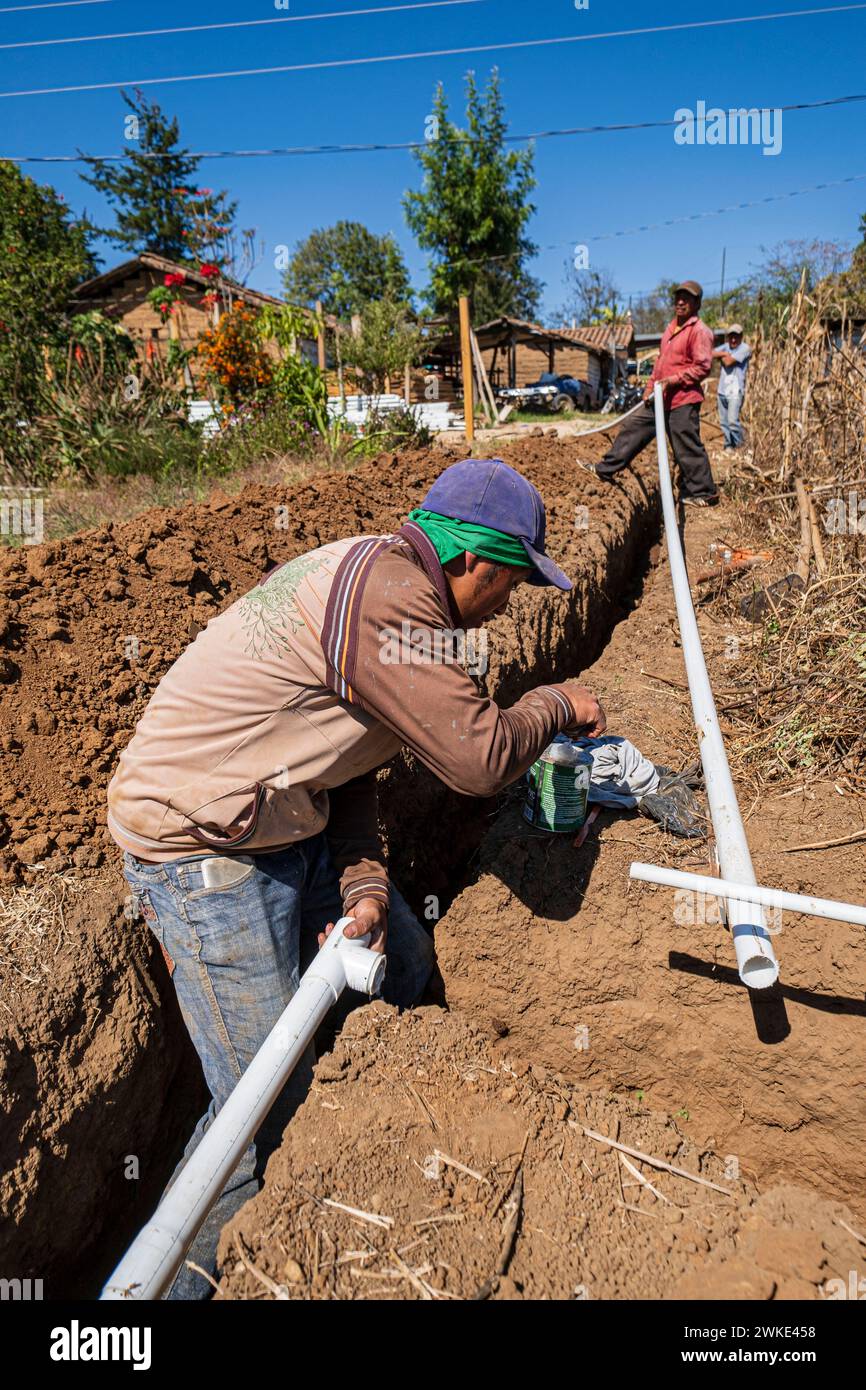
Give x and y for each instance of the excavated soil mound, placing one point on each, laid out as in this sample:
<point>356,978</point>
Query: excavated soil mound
<point>98,1083</point>
<point>520,1182</point>
<point>623,986</point>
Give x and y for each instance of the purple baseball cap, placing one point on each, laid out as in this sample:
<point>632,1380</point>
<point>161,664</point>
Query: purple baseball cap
<point>488,492</point>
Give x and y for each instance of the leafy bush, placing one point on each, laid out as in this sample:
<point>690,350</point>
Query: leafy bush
<point>258,433</point>
<point>234,361</point>
<point>394,429</point>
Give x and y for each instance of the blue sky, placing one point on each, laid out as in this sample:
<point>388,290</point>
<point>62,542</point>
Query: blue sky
<point>587,185</point>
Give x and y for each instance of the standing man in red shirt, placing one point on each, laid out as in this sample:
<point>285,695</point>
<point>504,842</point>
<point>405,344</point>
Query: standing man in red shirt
<point>685,358</point>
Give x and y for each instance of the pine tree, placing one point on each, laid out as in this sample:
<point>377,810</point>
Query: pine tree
<point>151,189</point>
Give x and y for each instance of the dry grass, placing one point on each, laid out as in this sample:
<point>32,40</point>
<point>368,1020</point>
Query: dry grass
<point>70,509</point>
<point>802,667</point>
<point>33,929</point>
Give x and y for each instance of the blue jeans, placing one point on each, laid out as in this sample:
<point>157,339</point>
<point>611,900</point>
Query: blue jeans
<point>235,953</point>
<point>729,419</point>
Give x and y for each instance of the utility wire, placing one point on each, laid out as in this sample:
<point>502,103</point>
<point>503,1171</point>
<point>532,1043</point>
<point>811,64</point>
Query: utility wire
<point>237,23</point>
<point>656,226</point>
<point>52,5</point>
<point>430,53</point>
<point>378,147</point>
<point>668,222</point>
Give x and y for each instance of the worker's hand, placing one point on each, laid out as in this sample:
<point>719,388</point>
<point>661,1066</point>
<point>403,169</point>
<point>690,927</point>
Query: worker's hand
<point>369,915</point>
<point>648,390</point>
<point>590,720</point>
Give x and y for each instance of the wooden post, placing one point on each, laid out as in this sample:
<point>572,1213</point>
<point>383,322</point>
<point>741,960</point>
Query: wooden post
<point>407,385</point>
<point>805,549</point>
<point>341,378</point>
<point>320,335</point>
<point>485,391</point>
<point>466,368</point>
<point>817,544</point>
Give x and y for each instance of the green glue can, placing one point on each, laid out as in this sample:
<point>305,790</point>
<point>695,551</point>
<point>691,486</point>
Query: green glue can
<point>557,790</point>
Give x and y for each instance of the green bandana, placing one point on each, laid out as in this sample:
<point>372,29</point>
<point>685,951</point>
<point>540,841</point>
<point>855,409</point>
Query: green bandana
<point>451,538</point>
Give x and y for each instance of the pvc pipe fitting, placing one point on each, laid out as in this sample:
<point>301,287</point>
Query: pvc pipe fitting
<point>766,897</point>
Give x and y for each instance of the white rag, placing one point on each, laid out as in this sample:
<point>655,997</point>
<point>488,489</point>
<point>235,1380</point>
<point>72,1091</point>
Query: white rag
<point>620,775</point>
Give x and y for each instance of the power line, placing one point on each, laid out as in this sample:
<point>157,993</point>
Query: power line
<point>380,147</point>
<point>668,222</point>
<point>718,212</point>
<point>430,53</point>
<point>235,23</point>
<point>52,5</point>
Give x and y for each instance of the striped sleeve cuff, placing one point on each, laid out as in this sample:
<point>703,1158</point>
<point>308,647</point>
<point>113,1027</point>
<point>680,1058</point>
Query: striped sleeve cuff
<point>366,888</point>
<point>562,703</point>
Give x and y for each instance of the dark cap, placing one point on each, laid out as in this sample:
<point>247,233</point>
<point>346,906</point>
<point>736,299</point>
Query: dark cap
<point>691,287</point>
<point>487,492</point>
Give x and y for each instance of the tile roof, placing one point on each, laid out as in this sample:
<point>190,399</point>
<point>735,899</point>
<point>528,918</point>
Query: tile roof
<point>149,260</point>
<point>597,335</point>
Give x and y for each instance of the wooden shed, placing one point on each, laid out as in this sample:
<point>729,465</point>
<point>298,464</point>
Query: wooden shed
<point>516,353</point>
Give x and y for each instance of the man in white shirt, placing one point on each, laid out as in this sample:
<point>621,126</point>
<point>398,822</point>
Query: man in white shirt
<point>732,384</point>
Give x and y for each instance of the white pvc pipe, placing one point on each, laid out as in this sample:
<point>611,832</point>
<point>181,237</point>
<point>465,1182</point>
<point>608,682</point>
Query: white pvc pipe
<point>611,424</point>
<point>767,897</point>
<point>149,1267</point>
<point>756,960</point>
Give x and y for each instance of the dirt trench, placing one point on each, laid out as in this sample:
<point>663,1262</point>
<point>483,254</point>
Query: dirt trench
<point>628,988</point>
<point>99,1085</point>
<point>453,1155</point>
<point>583,1009</point>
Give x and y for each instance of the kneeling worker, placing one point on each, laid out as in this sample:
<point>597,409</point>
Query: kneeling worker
<point>246,800</point>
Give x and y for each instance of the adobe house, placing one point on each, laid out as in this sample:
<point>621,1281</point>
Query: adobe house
<point>122,295</point>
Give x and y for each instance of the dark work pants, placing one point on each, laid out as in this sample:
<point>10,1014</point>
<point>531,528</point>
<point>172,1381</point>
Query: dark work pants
<point>684,432</point>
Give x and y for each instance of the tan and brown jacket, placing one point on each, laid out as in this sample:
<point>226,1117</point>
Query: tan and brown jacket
<point>271,724</point>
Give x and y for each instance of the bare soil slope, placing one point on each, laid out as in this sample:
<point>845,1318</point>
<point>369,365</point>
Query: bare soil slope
<point>397,1090</point>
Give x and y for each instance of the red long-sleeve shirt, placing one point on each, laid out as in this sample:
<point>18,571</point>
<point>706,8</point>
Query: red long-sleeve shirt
<point>686,355</point>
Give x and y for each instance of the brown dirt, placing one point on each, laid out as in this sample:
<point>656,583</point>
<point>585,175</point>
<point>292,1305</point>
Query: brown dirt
<point>398,1088</point>
<point>544,942</point>
<point>548,939</point>
<point>96,1065</point>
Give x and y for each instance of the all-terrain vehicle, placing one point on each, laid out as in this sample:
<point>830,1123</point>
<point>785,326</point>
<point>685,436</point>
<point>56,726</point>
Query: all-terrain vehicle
<point>557,394</point>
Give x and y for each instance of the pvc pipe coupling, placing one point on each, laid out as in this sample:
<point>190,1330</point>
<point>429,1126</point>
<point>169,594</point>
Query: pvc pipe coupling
<point>364,970</point>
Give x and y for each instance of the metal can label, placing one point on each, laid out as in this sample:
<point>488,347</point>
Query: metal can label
<point>557,794</point>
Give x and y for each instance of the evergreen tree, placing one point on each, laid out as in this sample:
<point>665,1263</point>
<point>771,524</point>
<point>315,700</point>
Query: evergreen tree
<point>151,189</point>
<point>473,208</point>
